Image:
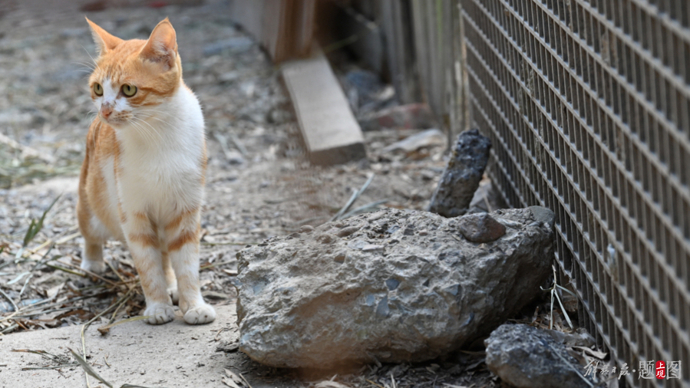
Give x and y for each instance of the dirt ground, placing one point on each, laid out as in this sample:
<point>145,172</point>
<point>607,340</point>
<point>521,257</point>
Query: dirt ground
<point>258,185</point>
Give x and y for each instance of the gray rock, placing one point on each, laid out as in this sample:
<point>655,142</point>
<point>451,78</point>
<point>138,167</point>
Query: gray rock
<point>526,357</point>
<point>481,228</point>
<point>461,178</point>
<point>392,286</point>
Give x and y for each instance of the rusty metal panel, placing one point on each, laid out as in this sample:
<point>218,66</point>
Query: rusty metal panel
<point>587,104</point>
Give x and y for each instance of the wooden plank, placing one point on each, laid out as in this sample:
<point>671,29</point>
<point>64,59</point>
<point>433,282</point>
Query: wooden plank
<point>329,129</point>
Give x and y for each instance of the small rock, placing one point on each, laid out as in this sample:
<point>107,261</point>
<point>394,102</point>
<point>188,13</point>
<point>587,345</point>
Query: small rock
<point>234,157</point>
<point>411,116</point>
<point>306,228</point>
<point>325,239</point>
<point>371,247</point>
<point>526,357</point>
<point>347,231</point>
<point>481,228</point>
<point>428,138</point>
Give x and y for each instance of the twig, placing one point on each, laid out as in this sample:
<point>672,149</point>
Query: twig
<point>308,220</point>
<point>9,328</point>
<point>88,369</point>
<point>245,381</point>
<point>353,198</point>
<point>554,293</point>
<point>568,364</point>
<point>28,151</point>
<point>373,383</point>
<point>65,270</point>
<point>207,266</point>
<point>105,329</point>
<point>364,209</point>
<point>118,275</point>
<point>31,271</point>
<point>68,238</point>
<point>86,326</point>
<point>238,144</point>
<point>87,272</point>
<point>14,305</point>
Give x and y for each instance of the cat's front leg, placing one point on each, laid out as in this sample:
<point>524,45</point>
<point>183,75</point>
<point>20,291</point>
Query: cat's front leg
<point>143,243</point>
<point>182,239</point>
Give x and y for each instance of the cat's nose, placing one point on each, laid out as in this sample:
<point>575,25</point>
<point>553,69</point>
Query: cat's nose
<point>106,110</point>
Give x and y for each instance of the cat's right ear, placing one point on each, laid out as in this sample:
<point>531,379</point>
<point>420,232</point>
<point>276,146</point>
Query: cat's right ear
<point>102,38</point>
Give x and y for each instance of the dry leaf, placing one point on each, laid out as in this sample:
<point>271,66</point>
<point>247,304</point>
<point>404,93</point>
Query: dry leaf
<point>233,380</point>
<point>53,291</point>
<point>228,381</point>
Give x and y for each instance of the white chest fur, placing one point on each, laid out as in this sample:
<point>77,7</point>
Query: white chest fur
<point>160,166</point>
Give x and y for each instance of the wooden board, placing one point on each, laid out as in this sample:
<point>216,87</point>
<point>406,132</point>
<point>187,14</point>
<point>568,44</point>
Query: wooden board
<point>329,129</point>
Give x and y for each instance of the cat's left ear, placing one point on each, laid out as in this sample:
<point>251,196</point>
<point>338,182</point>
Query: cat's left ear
<point>162,45</point>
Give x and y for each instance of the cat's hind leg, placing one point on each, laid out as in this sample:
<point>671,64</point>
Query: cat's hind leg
<point>95,234</point>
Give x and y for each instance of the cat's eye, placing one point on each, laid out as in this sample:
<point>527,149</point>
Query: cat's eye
<point>98,89</point>
<point>129,90</point>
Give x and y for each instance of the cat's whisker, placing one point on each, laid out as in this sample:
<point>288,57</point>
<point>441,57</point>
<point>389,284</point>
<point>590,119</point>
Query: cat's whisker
<point>141,131</point>
<point>88,65</point>
<point>94,61</point>
<point>135,120</point>
<point>162,121</point>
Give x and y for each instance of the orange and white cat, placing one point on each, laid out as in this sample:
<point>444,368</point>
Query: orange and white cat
<point>142,180</point>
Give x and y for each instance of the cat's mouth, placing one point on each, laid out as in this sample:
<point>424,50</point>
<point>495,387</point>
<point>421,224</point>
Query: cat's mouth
<point>113,120</point>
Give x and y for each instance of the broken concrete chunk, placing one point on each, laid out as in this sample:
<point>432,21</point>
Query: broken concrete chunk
<point>480,228</point>
<point>526,357</point>
<point>461,178</point>
<point>386,291</point>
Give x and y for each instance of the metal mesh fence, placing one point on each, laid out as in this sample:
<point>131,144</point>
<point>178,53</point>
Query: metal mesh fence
<point>587,104</point>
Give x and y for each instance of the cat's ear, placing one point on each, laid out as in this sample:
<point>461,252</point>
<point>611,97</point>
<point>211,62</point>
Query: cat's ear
<point>162,45</point>
<point>102,38</point>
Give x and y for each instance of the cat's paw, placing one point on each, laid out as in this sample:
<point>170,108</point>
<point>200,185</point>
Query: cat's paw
<point>95,266</point>
<point>200,314</point>
<point>159,313</point>
<point>174,295</point>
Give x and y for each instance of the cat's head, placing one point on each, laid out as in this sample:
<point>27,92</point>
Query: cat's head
<point>134,77</point>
